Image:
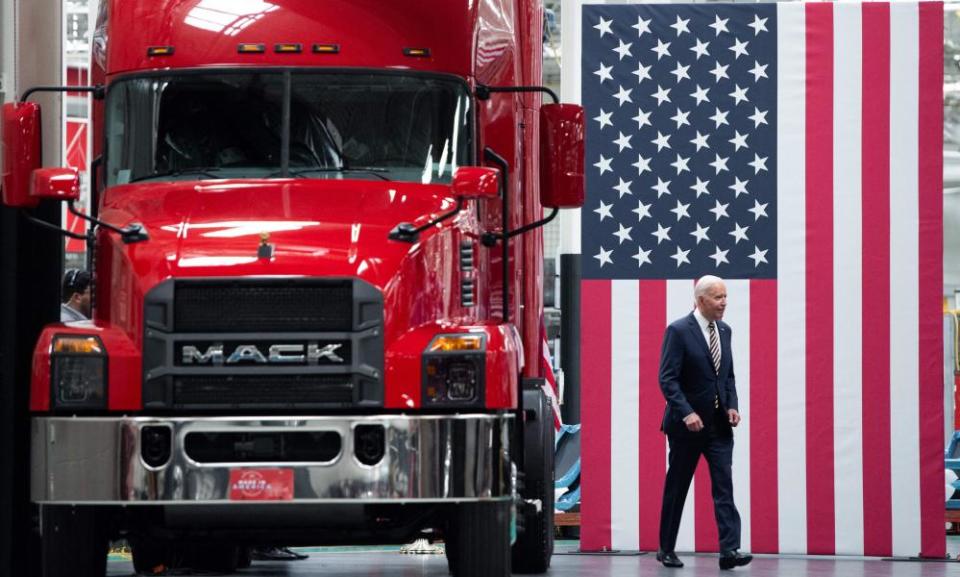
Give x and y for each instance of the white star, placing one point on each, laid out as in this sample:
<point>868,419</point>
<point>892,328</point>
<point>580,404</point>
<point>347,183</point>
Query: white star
<point>624,187</point>
<point>758,210</point>
<point>604,210</point>
<point>719,118</point>
<point>623,141</point>
<point>680,118</point>
<point>738,140</point>
<point>661,187</point>
<point>720,25</point>
<point>739,186</point>
<point>719,163</point>
<point>642,210</point>
<point>681,256</point>
<point>759,25</point>
<point>642,164</point>
<point>642,72</point>
<point>700,187</point>
<point>624,233</point>
<point>623,95</point>
<point>720,256</point>
<point>642,118</point>
<point>739,232</point>
<point>681,164</point>
<point>701,233</point>
<point>759,71</point>
<point>642,256</point>
<point>739,48</point>
<point>758,256</point>
<point>603,164</point>
<point>759,163</point>
<point>604,119</point>
<point>681,26</point>
<point>701,95</point>
<point>604,26</point>
<point>701,141</point>
<point>662,234</point>
<point>758,117</point>
<point>739,95</point>
<point>662,141</point>
<point>681,210</point>
<point>604,257</point>
<point>624,49</point>
<point>681,72</point>
<point>662,95</point>
<point>720,71</point>
<point>720,209</point>
<point>700,49</point>
<point>662,49</point>
<point>604,72</point>
<point>642,26</point>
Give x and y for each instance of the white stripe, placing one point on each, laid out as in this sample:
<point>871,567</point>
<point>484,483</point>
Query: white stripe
<point>738,317</point>
<point>680,304</point>
<point>904,272</point>
<point>625,415</point>
<point>791,290</point>
<point>848,279</point>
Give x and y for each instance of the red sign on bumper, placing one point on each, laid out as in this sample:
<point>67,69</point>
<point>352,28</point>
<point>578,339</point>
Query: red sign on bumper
<point>261,484</point>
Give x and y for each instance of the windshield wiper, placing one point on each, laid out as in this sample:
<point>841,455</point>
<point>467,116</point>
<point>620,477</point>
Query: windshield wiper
<point>301,172</point>
<point>207,171</point>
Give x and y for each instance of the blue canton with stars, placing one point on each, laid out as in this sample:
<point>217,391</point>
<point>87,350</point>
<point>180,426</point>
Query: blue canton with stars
<point>681,148</point>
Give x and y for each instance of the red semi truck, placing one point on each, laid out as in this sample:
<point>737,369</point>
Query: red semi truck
<point>317,284</point>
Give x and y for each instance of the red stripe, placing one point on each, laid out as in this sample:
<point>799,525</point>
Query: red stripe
<point>932,539</point>
<point>875,170</point>
<point>596,311</point>
<point>764,508</point>
<point>653,458</point>
<point>819,279</point>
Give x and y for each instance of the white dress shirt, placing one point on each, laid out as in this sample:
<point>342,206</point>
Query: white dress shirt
<point>704,328</point>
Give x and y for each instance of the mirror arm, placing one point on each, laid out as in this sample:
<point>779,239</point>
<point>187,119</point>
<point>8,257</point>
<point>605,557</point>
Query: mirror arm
<point>44,224</point>
<point>132,233</point>
<point>484,91</point>
<point>406,232</point>
<point>98,90</point>
<point>533,225</point>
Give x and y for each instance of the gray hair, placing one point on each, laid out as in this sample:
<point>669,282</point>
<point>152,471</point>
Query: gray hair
<point>704,284</point>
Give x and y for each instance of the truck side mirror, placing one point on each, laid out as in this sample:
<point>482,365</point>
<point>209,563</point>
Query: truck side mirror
<point>561,155</point>
<point>55,184</point>
<point>21,152</point>
<point>476,182</point>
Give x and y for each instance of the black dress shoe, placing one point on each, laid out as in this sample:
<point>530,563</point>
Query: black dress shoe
<point>669,559</point>
<point>731,559</point>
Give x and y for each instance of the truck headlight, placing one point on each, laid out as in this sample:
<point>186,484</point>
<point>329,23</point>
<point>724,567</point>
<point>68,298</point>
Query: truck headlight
<point>78,372</point>
<point>453,370</point>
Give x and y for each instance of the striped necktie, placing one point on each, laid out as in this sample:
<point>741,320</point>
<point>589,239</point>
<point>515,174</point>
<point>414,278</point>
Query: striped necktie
<point>715,355</point>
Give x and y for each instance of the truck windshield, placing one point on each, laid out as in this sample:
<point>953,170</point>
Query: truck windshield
<point>287,123</point>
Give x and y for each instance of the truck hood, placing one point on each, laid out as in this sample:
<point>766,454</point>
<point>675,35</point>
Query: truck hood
<point>316,227</point>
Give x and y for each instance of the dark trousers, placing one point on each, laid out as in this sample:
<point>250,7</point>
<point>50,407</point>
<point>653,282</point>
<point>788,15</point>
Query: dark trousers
<point>716,445</point>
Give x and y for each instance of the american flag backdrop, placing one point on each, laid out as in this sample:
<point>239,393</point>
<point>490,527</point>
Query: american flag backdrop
<point>796,151</point>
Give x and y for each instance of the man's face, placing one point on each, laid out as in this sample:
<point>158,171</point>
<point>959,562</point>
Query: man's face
<point>714,302</point>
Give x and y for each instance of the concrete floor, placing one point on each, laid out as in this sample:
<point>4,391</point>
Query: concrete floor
<point>346,562</point>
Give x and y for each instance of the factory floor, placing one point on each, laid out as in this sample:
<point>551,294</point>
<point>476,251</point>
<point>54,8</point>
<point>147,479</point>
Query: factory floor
<point>375,561</point>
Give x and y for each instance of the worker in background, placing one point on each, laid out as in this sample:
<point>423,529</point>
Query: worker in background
<point>75,296</point>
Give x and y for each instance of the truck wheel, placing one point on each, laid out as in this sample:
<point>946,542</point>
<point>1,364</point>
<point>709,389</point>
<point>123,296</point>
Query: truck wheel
<point>534,546</point>
<point>74,542</point>
<point>150,556</point>
<point>481,540</point>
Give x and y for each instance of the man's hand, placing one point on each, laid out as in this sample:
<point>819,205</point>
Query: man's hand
<point>733,416</point>
<point>693,422</point>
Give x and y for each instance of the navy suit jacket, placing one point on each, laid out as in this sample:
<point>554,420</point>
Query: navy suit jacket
<point>688,380</point>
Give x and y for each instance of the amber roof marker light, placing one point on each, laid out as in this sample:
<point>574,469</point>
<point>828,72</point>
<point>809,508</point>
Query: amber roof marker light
<point>288,48</point>
<point>251,48</point>
<point>160,51</point>
<point>417,52</point>
<point>326,48</point>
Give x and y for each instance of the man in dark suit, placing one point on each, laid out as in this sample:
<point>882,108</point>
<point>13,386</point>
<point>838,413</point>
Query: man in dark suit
<point>697,380</point>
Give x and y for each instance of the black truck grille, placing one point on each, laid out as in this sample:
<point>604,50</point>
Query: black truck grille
<point>264,306</point>
<point>266,391</point>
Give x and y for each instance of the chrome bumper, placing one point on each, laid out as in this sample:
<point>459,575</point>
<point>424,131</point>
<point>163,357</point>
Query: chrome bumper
<point>427,459</point>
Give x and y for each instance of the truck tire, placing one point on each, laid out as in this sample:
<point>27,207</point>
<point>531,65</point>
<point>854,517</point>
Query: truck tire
<point>480,540</point>
<point>150,556</point>
<point>533,549</point>
<point>74,543</point>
